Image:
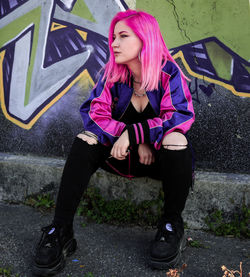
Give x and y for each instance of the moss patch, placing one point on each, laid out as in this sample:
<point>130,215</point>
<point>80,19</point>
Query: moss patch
<point>119,211</point>
<point>235,226</point>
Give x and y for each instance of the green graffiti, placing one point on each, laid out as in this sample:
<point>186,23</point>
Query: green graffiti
<point>183,21</point>
<point>80,9</point>
<point>247,68</point>
<point>220,59</point>
<point>14,29</point>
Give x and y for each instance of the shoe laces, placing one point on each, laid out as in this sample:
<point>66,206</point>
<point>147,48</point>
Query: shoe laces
<point>50,236</point>
<point>166,235</point>
<point>166,231</point>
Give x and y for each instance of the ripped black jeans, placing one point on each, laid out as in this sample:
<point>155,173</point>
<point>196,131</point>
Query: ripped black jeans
<point>173,167</point>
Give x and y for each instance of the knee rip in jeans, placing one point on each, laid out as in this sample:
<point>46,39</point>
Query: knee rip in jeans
<point>175,146</point>
<point>88,137</point>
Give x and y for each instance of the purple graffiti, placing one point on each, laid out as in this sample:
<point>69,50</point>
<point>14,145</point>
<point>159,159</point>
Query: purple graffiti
<point>7,6</point>
<point>66,42</point>
<point>207,90</point>
<point>53,52</point>
<point>67,8</point>
<point>199,62</point>
<point>67,45</point>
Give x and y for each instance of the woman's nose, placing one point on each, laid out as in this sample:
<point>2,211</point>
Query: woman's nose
<point>114,43</point>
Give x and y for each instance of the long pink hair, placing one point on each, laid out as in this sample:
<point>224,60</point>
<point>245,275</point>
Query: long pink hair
<point>154,53</point>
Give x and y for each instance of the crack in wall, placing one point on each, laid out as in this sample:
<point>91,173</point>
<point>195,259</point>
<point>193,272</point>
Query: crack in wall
<point>183,31</point>
<point>185,35</point>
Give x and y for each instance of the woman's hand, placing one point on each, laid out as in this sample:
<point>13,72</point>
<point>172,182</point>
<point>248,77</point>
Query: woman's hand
<point>120,147</point>
<point>146,154</point>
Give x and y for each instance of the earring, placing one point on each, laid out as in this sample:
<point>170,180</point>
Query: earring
<point>139,56</point>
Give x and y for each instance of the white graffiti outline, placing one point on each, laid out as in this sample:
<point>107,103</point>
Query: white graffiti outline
<point>44,82</point>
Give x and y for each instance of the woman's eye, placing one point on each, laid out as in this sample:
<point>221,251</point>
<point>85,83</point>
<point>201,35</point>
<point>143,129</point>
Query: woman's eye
<point>123,36</point>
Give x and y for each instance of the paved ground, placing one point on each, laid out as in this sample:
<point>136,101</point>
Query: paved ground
<point>111,251</point>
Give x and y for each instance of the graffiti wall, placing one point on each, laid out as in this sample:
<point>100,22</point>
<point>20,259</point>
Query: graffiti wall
<point>52,50</point>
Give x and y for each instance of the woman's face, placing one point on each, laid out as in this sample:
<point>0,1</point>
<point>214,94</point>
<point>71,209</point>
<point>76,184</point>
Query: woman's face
<point>126,45</point>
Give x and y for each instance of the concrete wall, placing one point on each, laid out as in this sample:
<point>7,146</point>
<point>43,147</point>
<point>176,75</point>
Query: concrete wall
<point>23,176</point>
<point>51,50</point>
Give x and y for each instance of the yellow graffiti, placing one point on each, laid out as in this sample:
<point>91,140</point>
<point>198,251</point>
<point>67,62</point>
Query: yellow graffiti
<point>56,26</point>
<point>85,78</point>
<point>210,80</point>
<point>2,54</point>
<point>82,34</point>
<point>84,75</point>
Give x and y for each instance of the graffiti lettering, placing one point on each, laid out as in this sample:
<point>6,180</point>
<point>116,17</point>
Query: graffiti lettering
<point>198,60</point>
<point>207,90</point>
<point>45,51</point>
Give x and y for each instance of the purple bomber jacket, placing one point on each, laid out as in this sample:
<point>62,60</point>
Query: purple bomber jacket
<point>171,102</point>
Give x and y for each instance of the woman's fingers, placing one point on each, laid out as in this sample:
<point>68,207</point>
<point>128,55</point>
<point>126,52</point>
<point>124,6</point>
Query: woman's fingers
<point>120,147</point>
<point>146,154</point>
<point>119,152</point>
<point>146,159</point>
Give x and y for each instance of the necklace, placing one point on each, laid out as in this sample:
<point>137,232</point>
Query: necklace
<point>138,94</point>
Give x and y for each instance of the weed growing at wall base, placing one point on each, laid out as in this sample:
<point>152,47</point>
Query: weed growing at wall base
<point>6,272</point>
<point>119,211</point>
<point>43,202</point>
<point>238,226</point>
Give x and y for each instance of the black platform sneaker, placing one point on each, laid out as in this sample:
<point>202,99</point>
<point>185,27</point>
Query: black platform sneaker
<point>169,242</point>
<point>55,245</point>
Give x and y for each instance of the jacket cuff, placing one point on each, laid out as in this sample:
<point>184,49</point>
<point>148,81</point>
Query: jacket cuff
<point>138,133</point>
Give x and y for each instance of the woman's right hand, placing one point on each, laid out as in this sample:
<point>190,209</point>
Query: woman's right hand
<point>120,147</point>
<point>146,154</point>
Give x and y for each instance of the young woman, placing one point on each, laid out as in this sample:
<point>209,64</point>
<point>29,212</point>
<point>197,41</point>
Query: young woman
<point>135,122</point>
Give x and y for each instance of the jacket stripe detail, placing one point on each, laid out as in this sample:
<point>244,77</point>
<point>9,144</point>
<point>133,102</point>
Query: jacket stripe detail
<point>141,132</point>
<point>166,106</point>
<point>172,103</point>
<point>131,134</point>
<point>155,122</point>
<point>96,114</point>
<point>146,131</point>
<point>179,105</point>
<point>181,100</point>
<point>176,109</point>
<point>136,134</point>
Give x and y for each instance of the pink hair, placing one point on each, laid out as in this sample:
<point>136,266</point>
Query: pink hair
<point>154,53</point>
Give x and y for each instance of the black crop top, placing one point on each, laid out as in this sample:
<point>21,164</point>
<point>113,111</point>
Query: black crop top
<point>131,115</point>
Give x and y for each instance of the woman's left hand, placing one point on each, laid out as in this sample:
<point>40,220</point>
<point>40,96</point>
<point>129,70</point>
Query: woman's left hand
<point>120,147</point>
<point>146,154</point>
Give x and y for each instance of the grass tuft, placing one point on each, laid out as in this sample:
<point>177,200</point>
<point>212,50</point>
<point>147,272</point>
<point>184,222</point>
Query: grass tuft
<point>236,226</point>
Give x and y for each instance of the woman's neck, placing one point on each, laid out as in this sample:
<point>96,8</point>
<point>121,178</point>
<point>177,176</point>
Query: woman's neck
<point>135,68</point>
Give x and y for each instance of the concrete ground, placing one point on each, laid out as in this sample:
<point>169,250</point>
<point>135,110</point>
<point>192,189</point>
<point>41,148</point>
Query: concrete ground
<point>111,251</point>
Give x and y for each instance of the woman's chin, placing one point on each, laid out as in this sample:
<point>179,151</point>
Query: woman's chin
<point>119,61</point>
